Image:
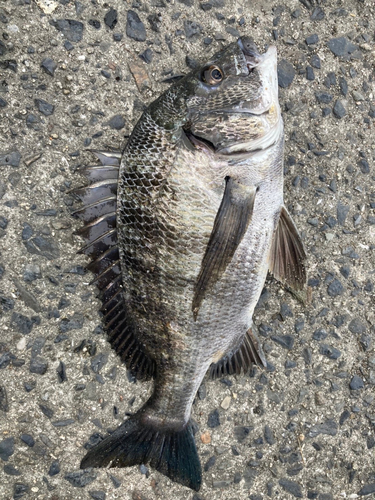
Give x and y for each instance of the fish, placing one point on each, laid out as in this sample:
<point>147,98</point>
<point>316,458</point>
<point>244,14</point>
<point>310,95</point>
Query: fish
<point>182,228</point>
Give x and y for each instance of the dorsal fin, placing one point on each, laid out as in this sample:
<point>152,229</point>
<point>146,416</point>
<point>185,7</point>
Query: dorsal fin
<point>101,245</point>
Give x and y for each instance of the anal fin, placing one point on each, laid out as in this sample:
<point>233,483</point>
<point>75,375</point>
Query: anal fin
<point>247,353</point>
<point>287,258</point>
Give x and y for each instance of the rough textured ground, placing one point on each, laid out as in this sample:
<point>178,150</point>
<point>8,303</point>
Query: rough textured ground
<point>305,427</point>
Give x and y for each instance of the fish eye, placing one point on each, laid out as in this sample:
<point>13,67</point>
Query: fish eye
<point>212,75</point>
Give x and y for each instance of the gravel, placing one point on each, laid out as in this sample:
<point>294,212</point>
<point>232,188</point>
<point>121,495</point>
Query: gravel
<point>77,79</point>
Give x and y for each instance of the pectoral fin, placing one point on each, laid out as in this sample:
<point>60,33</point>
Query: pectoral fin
<point>231,223</point>
<point>287,254</point>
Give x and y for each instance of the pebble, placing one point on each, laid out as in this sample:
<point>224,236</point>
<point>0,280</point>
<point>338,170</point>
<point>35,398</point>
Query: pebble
<point>310,73</point>
<point>81,478</point>
<point>32,272</point>
<point>73,323</point>
<point>226,402</point>
<point>21,323</point>
<point>268,435</point>
<point>286,341</point>
<point>356,383</point>
<point>241,432</point>
<point>42,246</point>
<point>329,428</point>
<point>135,29</point>
<point>117,122</point>
<point>146,56</point>
<point>6,448</point>
<point>329,351</point>
<point>61,372</point>
<point>210,463</point>
<point>192,29</point>
<point>54,468</point>
<point>367,489</point>
<point>213,419</point>
<point>12,158</point>
<point>335,288</point>
<point>342,212</point>
<point>116,482</point>
<point>98,362</point>
<point>97,494</point>
<point>357,326</point>
<point>285,73</point>
<point>38,365</point>
<point>318,14</point>
<point>140,74</point>
<point>338,109</point>
<point>4,406</point>
<point>110,19</point>
<point>20,490</point>
<point>70,28</point>
<point>364,166</point>
<point>206,438</point>
<point>312,39</point>
<point>291,487</point>
<point>11,470</point>
<point>323,97</point>
<point>341,47</point>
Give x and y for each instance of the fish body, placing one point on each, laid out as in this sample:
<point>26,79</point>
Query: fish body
<point>199,221</point>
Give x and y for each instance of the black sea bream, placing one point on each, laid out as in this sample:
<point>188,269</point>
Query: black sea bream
<point>181,253</point>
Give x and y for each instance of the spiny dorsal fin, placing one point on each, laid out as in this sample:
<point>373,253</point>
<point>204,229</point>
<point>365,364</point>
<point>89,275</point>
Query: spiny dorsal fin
<point>231,223</point>
<point>247,353</point>
<point>287,254</point>
<point>101,245</point>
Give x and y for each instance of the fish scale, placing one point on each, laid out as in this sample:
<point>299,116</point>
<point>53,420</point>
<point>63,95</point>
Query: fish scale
<point>199,222</point>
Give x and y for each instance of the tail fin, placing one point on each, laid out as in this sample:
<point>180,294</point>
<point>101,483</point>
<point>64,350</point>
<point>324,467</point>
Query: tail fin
<point>171,452</point>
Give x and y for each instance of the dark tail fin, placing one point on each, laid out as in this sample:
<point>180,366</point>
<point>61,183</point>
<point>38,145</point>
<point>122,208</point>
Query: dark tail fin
<point>171,452</point>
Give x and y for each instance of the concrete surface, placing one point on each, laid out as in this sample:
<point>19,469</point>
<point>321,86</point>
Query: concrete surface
<point>305,427</point>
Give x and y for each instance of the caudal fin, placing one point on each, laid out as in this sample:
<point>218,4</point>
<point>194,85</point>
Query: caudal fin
<point>171,452</point>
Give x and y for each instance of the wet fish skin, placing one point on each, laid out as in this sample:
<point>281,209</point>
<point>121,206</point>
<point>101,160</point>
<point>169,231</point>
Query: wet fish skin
<point>200,194</point>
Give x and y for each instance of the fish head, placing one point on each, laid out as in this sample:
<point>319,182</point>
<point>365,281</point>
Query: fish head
<point>232,104</point>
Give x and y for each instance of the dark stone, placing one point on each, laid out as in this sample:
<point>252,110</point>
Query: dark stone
<point>12,158</point>
<point>341,47</point>
<point>4,406</point>
<point>3,103</point>
<point>338,109</point>
<point>20,490</point>
<point>329,428</point>
<point>320,334</point>
<point>268,435</point>
<point>38,365</point>
<point>117,122</point>
<point>192,29</point>
<point>291,487</point>
<point>11,471</point>
<point>286,341</point>
<point>73,323</point>
<point>98,362</point>
<point>335,288</point>
<point>317,14</point>
<point>21,323</point>
<point>98,495</point>
<point>310,73</point>
<point>311,39</point>
<point>364,166</point>
<point>342,212</point>
<point>155,20</point>
<point>285,73</point>
<point>117,37</point>
<point>116,482</point>
<point>357,326</point>
<point>135,29</point>
<point>95,24</point>
<point>61,372</point>
<point>44,107</point>
<point>27,439</point>
<point>68,45</point>
<point>356,383</point>
<point>110,19</point>
<point>210,463</point>
<point>367,489</point>
<point>241,433</point>
<point>343,84</point>
<point>330,80</point>
<point>54,468</point>
<point>323,97</point>
<point>42,246</point>
<point>70,28</point>
<point>213,419</point>
<point>147,56</point>
<point>6,448</point>
<point>94,439</point>
<point>365,342</point>
<point>63,423</point>
<point>80,478</point>
<point>329,351</point>
<point>344,416</point>
<point>49,66</point>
